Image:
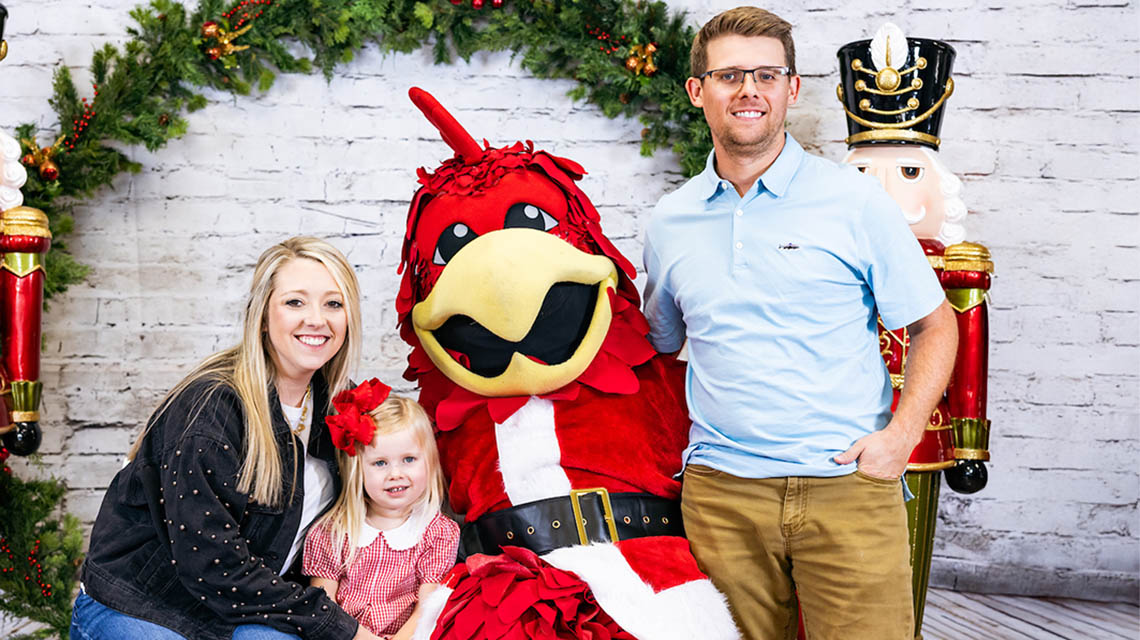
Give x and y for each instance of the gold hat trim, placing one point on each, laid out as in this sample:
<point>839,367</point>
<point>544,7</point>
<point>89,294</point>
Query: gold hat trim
<point>893,135</point>
<point>915,85</point>
<point>947,92</point>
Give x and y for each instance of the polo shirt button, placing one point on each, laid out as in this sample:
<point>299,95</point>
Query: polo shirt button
<point>739,245</point>
<point>739,212</point>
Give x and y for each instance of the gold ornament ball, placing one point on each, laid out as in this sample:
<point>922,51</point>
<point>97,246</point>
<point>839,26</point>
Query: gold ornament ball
<point>210,30</point>
<point>888,79</point>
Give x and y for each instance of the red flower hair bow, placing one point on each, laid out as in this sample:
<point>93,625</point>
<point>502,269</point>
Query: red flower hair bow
<point>352,424</point>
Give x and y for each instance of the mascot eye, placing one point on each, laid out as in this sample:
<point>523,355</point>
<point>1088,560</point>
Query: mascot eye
<point>451,241</point>
<point>911,174</point>
<point>528,216</point>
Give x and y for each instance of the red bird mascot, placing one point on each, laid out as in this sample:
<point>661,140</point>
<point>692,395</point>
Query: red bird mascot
<point>560,428</point>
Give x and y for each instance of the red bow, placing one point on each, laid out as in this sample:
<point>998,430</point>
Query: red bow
<point>352,422</point>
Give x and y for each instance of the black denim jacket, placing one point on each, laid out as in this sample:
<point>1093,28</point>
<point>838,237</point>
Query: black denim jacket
<point>177,544</point>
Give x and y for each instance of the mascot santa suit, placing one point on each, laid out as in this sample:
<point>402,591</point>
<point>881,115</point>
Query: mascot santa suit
<point>560,429</point>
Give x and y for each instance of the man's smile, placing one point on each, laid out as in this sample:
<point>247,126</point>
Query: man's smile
<point>749,114</point>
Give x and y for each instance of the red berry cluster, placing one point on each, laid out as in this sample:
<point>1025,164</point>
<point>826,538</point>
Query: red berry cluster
<point>478,4</point>
<point>80,123</point>
<point>609,44</point>
<point>245,16</point>
<point>33,562</point>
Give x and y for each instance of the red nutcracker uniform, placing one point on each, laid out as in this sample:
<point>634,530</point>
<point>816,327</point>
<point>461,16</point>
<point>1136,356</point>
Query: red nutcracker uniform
<point>24,241</point>
<point>893,91</point>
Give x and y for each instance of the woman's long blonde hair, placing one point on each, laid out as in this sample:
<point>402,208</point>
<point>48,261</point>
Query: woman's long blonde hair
<point>248,368</point>
<point>346,518</point>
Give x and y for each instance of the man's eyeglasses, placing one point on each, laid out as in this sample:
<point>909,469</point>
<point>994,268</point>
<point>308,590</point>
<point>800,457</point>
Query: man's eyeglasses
<point>761,76</point>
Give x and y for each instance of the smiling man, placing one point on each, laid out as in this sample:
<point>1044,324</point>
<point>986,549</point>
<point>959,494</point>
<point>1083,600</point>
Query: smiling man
<point>773,264</point>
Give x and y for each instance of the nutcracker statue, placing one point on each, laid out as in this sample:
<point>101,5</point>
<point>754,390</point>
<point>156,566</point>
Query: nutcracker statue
<point>24,241</point>
<point>894,90</point>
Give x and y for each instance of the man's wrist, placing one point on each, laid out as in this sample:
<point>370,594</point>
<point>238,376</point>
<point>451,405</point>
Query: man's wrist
<point>908,432</point>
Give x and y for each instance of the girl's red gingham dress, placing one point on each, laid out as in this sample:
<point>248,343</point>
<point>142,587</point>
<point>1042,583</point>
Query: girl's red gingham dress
<point>380,587</point>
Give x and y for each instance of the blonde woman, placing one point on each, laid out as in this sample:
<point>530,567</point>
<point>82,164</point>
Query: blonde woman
<point>200,535</point>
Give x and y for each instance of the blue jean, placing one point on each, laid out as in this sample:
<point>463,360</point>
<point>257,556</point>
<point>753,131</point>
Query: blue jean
<point>91,620</point>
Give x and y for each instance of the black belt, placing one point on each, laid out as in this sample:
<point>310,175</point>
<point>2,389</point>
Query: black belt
<point>545,525</point>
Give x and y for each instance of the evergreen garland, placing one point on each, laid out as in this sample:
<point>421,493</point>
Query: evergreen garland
<point>39,554</point>
<point>142,90</point>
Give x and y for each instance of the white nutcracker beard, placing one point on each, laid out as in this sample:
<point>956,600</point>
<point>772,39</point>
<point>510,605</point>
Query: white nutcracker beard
<point>12,173</point>
<point>951,232</point>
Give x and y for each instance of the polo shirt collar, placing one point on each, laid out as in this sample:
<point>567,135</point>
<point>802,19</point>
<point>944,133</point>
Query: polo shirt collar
<point>778,176</point>
<point>776,179</point>
<point>711,182</point>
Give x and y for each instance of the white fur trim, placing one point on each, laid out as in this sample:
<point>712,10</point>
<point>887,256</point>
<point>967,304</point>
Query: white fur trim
<point>430,610</point>
<point>691,610</point>
<point>530,459</point>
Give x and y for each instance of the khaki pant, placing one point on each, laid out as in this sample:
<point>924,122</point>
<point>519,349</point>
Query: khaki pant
<point>840,544</point>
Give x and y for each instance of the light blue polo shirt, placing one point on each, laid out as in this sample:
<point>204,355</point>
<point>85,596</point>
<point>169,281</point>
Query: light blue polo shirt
<point>777,292</point>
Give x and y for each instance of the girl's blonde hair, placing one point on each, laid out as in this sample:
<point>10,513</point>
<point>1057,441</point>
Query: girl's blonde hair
<point>249,370</point>
<point>345,519</point>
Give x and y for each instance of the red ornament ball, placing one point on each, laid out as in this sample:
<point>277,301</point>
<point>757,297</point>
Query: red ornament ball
<point>48,171</point>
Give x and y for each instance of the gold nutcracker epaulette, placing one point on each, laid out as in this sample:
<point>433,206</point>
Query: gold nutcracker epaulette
<point>967,256</point>
<point>24,221</point>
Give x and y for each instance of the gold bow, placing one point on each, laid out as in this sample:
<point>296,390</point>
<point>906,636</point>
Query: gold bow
<point>225,46</point>
<point>641,59</point>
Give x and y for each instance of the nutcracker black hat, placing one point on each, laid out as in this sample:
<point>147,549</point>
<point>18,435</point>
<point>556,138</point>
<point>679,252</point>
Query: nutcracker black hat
<point>893,88</point>
<point>3,45</point>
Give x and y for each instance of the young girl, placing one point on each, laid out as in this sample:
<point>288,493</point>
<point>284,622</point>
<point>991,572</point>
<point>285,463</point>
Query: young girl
<point>384,545</point>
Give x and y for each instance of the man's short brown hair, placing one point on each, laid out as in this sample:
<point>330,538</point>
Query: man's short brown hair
<point>742,21</point>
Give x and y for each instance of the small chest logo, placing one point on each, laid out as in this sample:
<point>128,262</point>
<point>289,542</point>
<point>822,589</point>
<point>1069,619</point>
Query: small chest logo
<point>789,247</point>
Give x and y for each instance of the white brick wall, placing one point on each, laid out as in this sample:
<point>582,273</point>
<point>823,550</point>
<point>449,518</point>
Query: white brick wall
<point>1043,129</point>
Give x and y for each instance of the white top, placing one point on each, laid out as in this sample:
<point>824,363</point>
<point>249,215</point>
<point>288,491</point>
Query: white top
<point>403,537</point>
<point>318,484</point>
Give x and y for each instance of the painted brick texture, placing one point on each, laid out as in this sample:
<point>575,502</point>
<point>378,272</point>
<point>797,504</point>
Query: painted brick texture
<point>1044,130</point>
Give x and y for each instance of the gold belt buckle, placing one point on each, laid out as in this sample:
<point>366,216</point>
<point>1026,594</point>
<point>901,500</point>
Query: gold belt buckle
<point>607,511</point>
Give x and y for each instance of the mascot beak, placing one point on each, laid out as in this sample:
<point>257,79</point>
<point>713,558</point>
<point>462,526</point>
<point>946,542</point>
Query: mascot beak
<point>526,310</point>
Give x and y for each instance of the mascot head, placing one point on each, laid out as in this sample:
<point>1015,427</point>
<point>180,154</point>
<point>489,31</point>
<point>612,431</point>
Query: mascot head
<point>509,286</point>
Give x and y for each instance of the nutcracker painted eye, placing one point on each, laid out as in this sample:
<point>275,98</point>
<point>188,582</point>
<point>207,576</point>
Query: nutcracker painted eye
<point>453,238</point>
<point>911,173</point>
<point>527,216</point>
